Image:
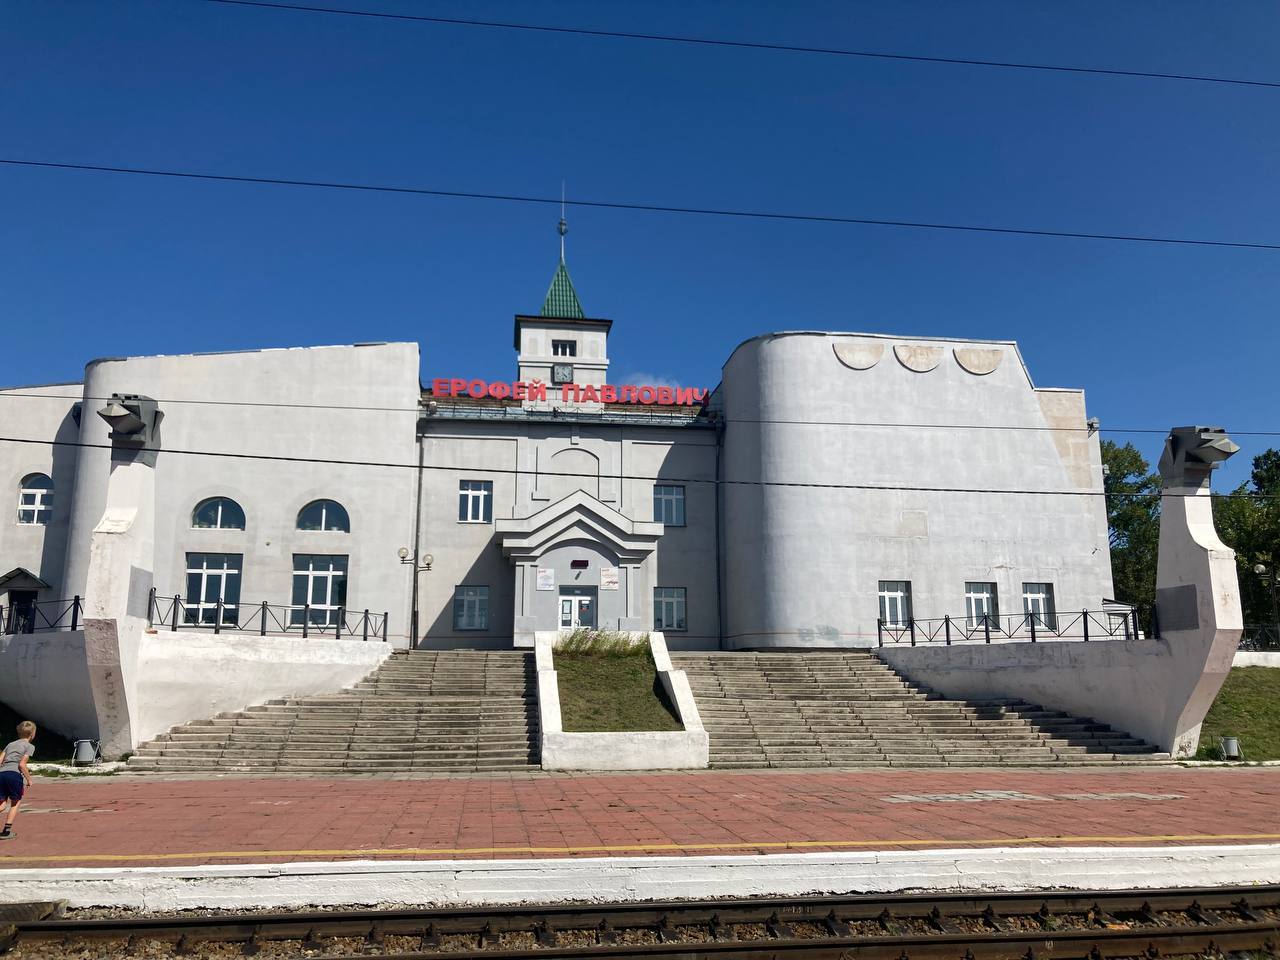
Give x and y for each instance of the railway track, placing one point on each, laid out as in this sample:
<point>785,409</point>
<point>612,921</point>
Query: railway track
<point>1090,925</point>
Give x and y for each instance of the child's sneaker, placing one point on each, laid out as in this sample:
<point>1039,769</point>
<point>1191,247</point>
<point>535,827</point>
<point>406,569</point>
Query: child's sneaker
<point>7,835</point>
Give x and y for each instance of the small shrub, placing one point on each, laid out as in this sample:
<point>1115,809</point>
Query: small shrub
<point>603,643</point>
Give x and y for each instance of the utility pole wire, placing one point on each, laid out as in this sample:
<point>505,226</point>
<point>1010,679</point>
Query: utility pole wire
<point>746,44</point>
<point>647,207</point>
<point>678,420</point>
<point>518,472</point>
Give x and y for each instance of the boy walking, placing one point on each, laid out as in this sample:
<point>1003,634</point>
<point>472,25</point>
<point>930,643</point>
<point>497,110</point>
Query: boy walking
<point>14,776</point>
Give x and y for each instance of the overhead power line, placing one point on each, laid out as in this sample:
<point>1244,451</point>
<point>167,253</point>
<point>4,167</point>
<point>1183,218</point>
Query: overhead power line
<point>646,207</point>
<point>275,404</point>
<point>516,472</point>
<point>746,44</point>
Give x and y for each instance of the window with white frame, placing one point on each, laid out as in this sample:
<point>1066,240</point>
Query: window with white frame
<point>218,513</point>
<point>470,607</point>
<point>564,348</point>
<point>35,499</point>
<point>980,604</point>
<point>324,515</point>
<point>319,589</point>
<point>895,602</point>
<point>1037,603</point>
<point>213,579</point>
<point>669,608</point>
<point>475,501</point>
<point>668,505</point>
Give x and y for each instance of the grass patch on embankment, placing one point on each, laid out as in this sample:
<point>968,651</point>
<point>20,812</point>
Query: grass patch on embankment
<point>610,685</point>
<point>1248,708</point>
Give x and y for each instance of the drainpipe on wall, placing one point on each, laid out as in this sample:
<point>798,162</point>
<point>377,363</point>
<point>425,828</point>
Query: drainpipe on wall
<point>417,539</point>
<point>719,510</point>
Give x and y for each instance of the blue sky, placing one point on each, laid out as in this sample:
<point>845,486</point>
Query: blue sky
<point>93,264</point>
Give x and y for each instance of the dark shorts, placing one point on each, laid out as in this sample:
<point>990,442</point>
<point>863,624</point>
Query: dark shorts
<point>11,785</point>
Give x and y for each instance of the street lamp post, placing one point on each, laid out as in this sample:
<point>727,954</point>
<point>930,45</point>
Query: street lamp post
<point>407,558</point>
<point>1268,579</point>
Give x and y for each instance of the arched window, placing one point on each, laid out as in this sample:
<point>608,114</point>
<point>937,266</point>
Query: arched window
<point>35,499</point>
<point>324,515</point>
<point>218,513</point>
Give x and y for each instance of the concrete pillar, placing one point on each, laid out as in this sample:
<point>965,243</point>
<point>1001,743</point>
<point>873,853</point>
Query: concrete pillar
<point>120,574</point>
<point>1197,590</point>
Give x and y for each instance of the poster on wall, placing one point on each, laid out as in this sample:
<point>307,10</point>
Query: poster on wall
<point>546,578</point>
<point>608,578</point>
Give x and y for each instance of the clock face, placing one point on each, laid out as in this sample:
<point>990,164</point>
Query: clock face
<point>562,373</point>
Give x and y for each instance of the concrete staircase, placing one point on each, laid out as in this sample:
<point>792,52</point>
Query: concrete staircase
<point>849,709</point>
<point>455,710</point>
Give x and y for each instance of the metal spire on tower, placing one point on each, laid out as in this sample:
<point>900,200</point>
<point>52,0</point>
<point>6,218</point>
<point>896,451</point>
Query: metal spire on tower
<point>563,226</point>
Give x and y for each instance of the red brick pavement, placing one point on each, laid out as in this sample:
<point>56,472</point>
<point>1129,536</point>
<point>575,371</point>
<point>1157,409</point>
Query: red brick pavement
<point>127,821</point>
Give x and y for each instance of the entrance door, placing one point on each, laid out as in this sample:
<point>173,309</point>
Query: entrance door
<point>577,608</point>
<point>21,614</point>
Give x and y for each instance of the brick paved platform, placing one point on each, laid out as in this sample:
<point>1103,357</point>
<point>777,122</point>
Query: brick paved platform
<point>132,822</point>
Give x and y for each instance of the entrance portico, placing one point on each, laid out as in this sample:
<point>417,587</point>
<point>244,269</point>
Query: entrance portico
<point>580,552</point>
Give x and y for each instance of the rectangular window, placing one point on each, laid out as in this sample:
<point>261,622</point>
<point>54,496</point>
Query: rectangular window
<point>475,501</point>
<point>980,605</point>
<point>470,608</point>
<point>564,348</point>
<point>668,505</point>
<point>319,589</point>
<point>1037,603</point>
<point>212,577</point>
<point>669,608</point>
<point>895,602</point>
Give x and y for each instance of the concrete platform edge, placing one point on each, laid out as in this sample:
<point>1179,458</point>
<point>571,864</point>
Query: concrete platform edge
<point>583,879</point>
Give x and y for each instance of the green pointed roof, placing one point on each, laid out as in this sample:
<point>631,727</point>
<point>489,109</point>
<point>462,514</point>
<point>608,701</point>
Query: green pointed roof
<point>562,299</point>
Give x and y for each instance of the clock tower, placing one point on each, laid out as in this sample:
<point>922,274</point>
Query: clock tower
<point>561,344</point>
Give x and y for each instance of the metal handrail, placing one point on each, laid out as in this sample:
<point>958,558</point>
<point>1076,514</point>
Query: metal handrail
<point>41,616</point>
<point>265,618</point>
<point>1110,624</point>
<point>1261,638</point>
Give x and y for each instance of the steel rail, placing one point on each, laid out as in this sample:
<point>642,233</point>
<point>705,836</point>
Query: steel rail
<point>1082,923</point>
<point>1064,945</point>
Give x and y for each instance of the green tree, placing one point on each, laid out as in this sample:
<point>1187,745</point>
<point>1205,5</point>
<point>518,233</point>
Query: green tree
<point>1266,473</point>
<point>1249,522</point>
<point>1133,522</point>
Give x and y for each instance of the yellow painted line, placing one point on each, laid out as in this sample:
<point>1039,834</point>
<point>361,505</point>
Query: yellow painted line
<point>438,852</point>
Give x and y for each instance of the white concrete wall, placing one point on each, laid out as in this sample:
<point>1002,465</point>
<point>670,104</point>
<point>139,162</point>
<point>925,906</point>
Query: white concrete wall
<point>378,381</point>
<point>802,564</point>
<point>41,414</point>
<point>187,676</point>
<point>1125,683</point>
<point>45,677</point>
<point>173,678</point>
<point>1248,658</point>
<point>628,750</point>
<point>636,879</point>
<point>590,362</point>
<point>608,457</point>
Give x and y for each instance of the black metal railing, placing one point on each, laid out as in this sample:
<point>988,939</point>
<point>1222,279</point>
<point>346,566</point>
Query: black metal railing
<point>1110,624</point>
<point>265,619</point>
<point>41,616</point>
<point>1261,638</point>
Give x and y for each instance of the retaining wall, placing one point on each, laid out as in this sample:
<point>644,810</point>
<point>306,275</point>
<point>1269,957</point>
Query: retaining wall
<point>188,675</point>
<point>45,677</point>
<point>631,750</point>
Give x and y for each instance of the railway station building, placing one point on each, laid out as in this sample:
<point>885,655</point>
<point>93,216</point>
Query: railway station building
<point>824,485</point>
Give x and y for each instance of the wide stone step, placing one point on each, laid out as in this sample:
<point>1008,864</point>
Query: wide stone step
<point>292,746</point>
<point>849,708</point>
<point>420,710</point>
